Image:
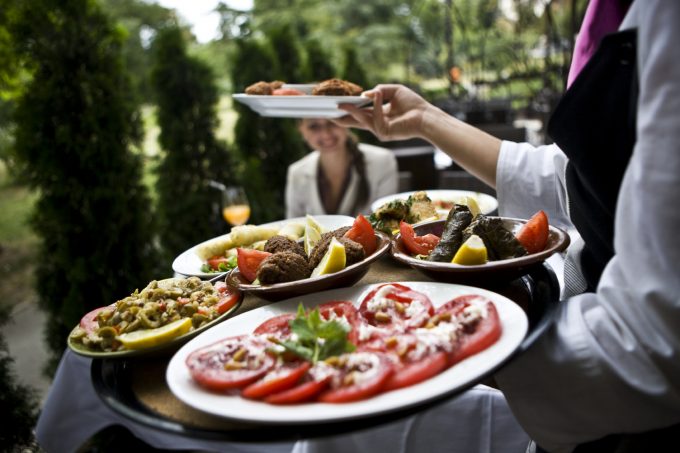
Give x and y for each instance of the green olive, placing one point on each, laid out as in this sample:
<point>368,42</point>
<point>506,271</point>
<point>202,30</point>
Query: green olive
<point>197,319</point>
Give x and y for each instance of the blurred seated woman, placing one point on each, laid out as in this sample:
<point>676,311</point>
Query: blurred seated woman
<point>340,175</point>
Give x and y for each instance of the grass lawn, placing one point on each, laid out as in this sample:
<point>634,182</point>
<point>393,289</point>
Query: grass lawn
<point>18,244</point>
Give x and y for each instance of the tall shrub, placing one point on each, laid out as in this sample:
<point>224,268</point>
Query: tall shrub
<point>352,69</point>
<point>76,125</point>
<point>317,64</point>
<point>266,145</point>
<point>187,97</point>
<point>19,403</point>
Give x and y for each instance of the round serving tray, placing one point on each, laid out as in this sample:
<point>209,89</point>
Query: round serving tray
<point>118,382</point>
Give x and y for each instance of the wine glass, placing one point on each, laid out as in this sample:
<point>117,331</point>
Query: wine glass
<point>235,206</point>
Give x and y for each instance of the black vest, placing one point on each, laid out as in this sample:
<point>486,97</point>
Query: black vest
<point>594,124</point>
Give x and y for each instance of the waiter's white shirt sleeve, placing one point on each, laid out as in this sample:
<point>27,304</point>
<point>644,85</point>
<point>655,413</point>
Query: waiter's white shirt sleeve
<point>611,364</point>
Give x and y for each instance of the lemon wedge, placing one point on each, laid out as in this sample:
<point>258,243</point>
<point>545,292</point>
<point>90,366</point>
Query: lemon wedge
<point>473,206</point>
<point>311,222</point>
<point>473,251</point>
<point>333,261</point>
<point>311,237</point>
<point>140,339</point>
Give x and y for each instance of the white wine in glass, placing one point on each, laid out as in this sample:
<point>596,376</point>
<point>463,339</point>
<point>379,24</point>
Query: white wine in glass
<point>235,206</point>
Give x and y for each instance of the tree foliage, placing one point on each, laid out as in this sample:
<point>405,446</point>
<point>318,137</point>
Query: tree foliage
<point>266,145</point>
<point>141,20</point>
<point>76,124</point>
<point>187,99</point>
<point>19,403</point>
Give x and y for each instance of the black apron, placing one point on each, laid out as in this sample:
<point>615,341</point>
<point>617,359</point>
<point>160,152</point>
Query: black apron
<point>594,125</point>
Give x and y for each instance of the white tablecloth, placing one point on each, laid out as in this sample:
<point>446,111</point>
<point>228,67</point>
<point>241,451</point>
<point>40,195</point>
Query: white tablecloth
<point>477,421</point>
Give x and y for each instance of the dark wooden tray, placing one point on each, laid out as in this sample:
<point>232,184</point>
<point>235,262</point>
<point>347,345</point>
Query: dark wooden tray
<point>137,389</point>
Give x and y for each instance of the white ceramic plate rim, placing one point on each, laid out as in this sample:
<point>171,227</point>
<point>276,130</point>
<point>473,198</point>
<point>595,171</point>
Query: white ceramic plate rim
<point>460,376</point>
<point>303,106</point>
<point>189,264</point>
<point>487,203</point>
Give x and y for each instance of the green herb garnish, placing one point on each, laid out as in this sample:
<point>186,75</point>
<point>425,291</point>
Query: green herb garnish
<point>316,339</point>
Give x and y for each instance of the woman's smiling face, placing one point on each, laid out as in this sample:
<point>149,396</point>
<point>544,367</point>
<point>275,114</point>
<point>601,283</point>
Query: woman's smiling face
<point>323,135</point>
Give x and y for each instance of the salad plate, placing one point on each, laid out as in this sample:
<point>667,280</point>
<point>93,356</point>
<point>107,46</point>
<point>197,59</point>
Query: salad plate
<point>162,349</point>
<point>188,263</point>
<point>454,379</point>
<point>443,200</point>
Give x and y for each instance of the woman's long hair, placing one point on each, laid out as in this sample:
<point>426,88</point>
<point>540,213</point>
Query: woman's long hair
<point>359,164</point>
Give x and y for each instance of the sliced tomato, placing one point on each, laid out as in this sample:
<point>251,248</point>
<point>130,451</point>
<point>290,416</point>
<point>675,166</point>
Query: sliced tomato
<point>89,322</point>
<point>456,305</point>
<point>534,234</point>
<point>360,376</point>
<point>228,298</point>
<point>230,363</point>
<point>248,261</point>
<point>483,334</point>
<point>393,305</point>
<point>287,92</point>
<point>474,332</point>
<point>417,245</point>
<point>410,373</point>
<point>278,326</point>
<point>345,312</point>
<point>277,380</point>
<point>215,261</point>
<point>305,391</point>
<point>362,232</point>
<point>414,360</point>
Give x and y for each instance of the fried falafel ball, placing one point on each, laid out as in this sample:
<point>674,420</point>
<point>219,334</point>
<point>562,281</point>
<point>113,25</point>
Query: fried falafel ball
<point>263,88</point>
<point>278,243</point>
<point>322,244</point>
<point>283,267</point>
<point>259,88</point>
<point>336,87</point>
<point>354,252</point>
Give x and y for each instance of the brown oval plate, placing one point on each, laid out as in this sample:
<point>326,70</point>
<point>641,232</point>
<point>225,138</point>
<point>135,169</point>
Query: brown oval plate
<point>346,277</point>
<point>489,274</point>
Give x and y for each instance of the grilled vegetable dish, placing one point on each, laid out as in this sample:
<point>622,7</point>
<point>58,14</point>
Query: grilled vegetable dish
<point>414,209</point>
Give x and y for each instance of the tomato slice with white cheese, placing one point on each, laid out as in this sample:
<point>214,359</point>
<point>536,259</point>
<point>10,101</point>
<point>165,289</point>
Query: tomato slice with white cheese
<point>472,324</point>
<point>396,306</point>
<point>345,313</point>
<point>414,359</point>
<point>231,363</point>
<point>359,375</point>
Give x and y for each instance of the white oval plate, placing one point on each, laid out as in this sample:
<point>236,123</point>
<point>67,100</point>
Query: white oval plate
<point>189,264</point>
<point>487,203</point>
<point>462,375</point>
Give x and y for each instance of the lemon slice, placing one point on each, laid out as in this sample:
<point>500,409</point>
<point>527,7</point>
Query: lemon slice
<point>311,237</point>
<point>473,206</point>
<point>311,221</point>
<point>473,251</point>
<point>140,339</point>
<point>333,261</point>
